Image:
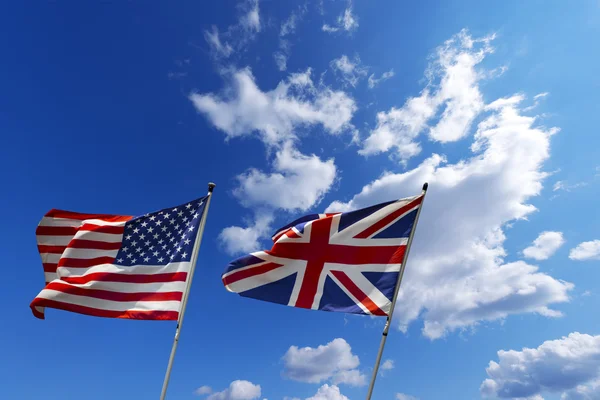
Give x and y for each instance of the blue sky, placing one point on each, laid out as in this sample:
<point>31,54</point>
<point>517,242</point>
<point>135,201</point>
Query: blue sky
<point>128,108</point>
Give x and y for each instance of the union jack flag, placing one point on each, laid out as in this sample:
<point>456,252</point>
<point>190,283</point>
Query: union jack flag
<point>343,262</point>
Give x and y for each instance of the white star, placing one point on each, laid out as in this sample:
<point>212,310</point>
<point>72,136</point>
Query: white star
<point>177,226</point>
<point>164,228</point>
<point>202,202</point>
<point>185,219</point>
<point>175,209</point>
<point>171,221</point>
<point>152,218</point>
<point>164,246</point>
<point>138,249</point>
<point>146,259</point>
<point>155,236</point>
<point>191,229</point>
<point>180,214</point>
<point>151,248</point>
<point>134,260</point>
<point>161,260</point>
<point>158,222</point>
<point>180,231</point>
<point>161,213</point>
<point>125,249</point>
<point>187,241</point>
<point>168,251</point>
<point>134,243</point>
<point>160,241</point>
<point>196,215</point>
<point>155,254</point>
<point>178,249</point>
<point>128,237</point>
<point>188,206</point>
<point>120,260</point>
<point>129,255</point>
<point>192,211</point>
<point>172,256</point>
<point>167,215</point>
<point>150,230</point>
<point>147,243</point>
<point>144,224</point>
<point>142,236</point>
<point>136,230</point>
<point>168,234</point>
<point>171,240</point>
<point>143,253</point>
<point>184,255</point>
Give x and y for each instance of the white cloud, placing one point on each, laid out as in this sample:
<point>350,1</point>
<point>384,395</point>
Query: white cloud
<point>586,251</point>
<point>327,392</point>
<point>570,365</point>
<point>251,20</point>
<point>384,77</point>
<point>456,275</point>
<point>351,377</point>
<point>219,48</point>
<point>331,361</point>
<point>202,390</point>
<point>545,245</point>
<point>280,60</point>
<point>402,396</point>
<point>276,114</point>
<point>387,365</point>
<point>350,70</point>
<point>536,101</point>
<point>299,181</point>
<point>562,185</point>
<point>238,390</point>
<point>346,21</point>
<point>457,93</point>
<point>290,24</point>
<point>236,239</point>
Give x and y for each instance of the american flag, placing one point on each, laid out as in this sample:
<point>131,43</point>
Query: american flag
<point>117,266</point>
<point>344,262</point>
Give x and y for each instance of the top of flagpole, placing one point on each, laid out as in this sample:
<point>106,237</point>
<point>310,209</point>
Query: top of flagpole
<point>425,186</point>
<point>211,186</point>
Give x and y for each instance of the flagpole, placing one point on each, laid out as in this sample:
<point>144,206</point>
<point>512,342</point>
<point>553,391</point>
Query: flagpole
<point>391,313</point>
<point>186,294</point>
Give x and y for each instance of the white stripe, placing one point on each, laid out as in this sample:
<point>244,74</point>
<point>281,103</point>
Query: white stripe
<point>363,267</point>
<point>86,254</point>
<point>50,221</point>
<point>99,237</point>
<point>104,223</point>
<point>370,290</point>
<point>263,279</point>
<point>50,258</point>
<point>109,305</point>
<point>50,276</point>
<point>134,270</point>
<point>125,287</point>
<point>46,240</point>
<point>297,284</point>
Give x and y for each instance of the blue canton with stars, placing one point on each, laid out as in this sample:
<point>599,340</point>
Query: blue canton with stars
<point>161,237</point>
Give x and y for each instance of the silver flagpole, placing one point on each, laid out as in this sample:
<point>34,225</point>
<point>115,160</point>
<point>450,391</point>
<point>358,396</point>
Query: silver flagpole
<point>186,294</point>
<point>391,314</point>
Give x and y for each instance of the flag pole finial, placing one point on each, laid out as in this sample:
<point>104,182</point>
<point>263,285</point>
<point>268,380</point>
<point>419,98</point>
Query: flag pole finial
<point>425,186</point>
<point>211,186</point>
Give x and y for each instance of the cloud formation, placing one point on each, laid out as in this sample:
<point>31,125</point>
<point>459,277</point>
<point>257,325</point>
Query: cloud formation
<point>452,94</point>
<point>333,361</point>
<point>350,71</point>
<point>384,77</point>
<point>238,390</point>
<point>570,366</point>
<point>586,251</point>
<point>456,276</point>
<point>347,21</point>
<point>544,246</point>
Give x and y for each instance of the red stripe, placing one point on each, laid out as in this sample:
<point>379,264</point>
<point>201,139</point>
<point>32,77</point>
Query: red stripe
<point>84,263</point>
<point>93,245</point>
<point>80,216</point>
<point>49,267</point>
<point>125,278</point>
<point>236,276</point>
<point>56,230</point>
<point>37,314</point>
<point>358,294</point>
<point>147,315</point>
<point>113,296</point>
<point>388,219</point>
<point>103,228</point>
<point>51,249</point>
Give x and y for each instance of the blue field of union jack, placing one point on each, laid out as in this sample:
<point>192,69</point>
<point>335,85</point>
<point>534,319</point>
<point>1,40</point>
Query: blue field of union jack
<point>342,262</point>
